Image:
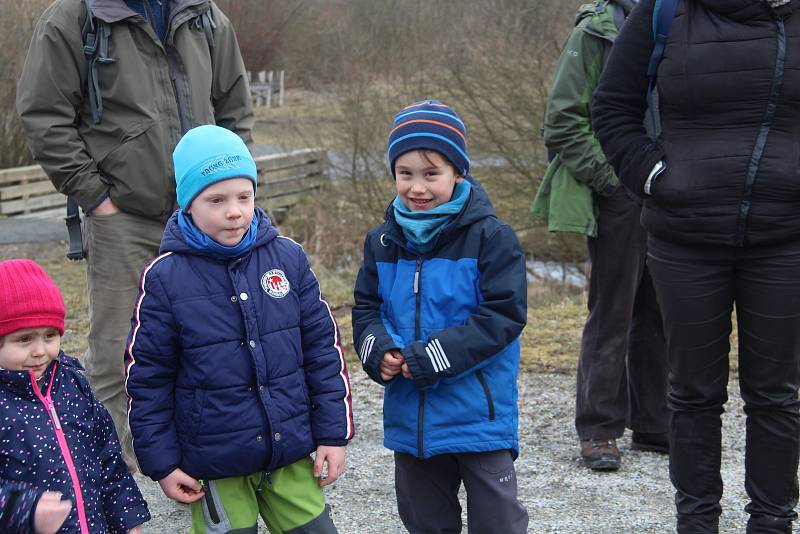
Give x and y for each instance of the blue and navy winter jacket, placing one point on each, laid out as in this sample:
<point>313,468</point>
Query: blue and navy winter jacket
<point>233,367</point>
<point>56,436</point>
<point>456,314</point>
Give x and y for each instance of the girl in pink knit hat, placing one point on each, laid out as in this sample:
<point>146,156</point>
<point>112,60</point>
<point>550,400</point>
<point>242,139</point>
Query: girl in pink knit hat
<point>60,461</point>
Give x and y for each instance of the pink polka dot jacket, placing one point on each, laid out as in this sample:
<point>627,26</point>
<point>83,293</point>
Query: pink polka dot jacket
<point>55,435</point>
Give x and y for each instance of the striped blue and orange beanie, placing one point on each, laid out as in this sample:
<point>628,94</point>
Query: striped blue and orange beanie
<point>429,125</point>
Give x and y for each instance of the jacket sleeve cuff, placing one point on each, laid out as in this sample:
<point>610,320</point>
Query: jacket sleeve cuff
<point>332,442</point>
<point>371,359</point>
<point>421,368</point>
<point>133,517</point>
<point>658,168</point>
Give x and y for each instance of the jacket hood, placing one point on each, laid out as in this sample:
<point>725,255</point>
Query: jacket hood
<point>173,240</point>
<point>599,18</point>
<point>19,382</point>
<point>741,10</point>
<point>477,207</point>
<point>115,10</point>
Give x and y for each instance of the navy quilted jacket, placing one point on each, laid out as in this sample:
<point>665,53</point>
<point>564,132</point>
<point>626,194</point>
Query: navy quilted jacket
<point>456,315</point>
<point>233,367</point>
<point>55,435</point>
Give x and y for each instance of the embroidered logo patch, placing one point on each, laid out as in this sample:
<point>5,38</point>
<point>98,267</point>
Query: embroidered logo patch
<point>275,283</point>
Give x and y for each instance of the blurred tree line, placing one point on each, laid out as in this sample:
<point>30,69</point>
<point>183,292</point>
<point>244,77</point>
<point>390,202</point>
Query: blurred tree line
<point>492,60</point>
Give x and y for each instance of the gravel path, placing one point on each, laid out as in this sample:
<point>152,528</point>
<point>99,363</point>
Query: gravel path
<point>561,495</point>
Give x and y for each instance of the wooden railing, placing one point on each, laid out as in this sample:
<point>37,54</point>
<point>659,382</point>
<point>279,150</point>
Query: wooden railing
<point>283,180</point>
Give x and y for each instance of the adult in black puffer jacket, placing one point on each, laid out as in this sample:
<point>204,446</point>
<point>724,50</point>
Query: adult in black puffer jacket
<point>724,223</point>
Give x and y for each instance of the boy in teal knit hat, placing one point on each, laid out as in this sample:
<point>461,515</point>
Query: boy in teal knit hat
<point>235,371</point>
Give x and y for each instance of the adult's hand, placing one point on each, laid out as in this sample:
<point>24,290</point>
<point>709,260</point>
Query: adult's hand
<point>106,207</point>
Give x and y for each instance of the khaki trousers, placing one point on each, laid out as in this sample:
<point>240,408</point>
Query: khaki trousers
<point>118,247</point>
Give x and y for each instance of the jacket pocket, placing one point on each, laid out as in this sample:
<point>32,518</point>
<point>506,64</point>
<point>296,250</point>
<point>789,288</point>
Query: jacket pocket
<point>487,393</point>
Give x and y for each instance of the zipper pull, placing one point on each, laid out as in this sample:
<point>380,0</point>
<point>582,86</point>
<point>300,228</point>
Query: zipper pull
<point>54,415</point>
<point>416,276</point>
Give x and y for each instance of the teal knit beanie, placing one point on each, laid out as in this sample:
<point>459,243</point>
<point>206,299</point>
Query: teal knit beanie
<point>206,155</point>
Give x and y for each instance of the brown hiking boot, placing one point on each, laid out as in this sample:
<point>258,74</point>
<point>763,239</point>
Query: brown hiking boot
<point>601,454</point>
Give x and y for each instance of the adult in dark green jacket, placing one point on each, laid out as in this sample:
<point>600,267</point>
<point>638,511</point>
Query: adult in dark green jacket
<point>160,74</point>
<point>622,374</point>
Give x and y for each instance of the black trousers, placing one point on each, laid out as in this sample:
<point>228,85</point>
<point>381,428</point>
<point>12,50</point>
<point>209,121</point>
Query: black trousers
<point>427,493</point>
<point>697,288</point>
<point>622,370</point>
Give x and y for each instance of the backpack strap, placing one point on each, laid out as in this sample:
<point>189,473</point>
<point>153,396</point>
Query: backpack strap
<point>96,33</point>
<point>206,22</point>
<point>663,14</point>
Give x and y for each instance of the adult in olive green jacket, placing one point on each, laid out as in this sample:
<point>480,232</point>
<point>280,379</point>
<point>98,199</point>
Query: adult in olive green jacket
<point>622,372</point>
<point>163,76</point>
<point>565,198</point>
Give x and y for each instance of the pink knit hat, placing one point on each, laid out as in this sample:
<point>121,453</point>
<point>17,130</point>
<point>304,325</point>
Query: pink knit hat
<point>28,298</point>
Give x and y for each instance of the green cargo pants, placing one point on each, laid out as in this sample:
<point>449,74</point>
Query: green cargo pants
<point>289,500</point>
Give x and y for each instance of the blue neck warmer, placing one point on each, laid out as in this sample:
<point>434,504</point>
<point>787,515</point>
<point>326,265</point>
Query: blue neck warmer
<point>421,228</point>
<point>196,239</point>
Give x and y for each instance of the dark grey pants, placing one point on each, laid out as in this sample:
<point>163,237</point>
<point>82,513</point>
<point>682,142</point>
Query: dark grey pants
<point>622,371</point>
<point>427,493</point>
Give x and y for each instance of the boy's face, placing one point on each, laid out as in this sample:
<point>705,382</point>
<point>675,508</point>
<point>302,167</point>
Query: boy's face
<point>424,179</point>
<point>30,349</point>
<point>224,210</point>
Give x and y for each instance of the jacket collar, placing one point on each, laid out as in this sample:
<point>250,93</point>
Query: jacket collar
<point>115,10</point>
<point>477,207</point>
<point>19,382</point>
<point>173,241</point>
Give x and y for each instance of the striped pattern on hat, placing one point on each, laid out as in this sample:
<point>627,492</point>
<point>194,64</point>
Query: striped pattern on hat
<point>429,125</point>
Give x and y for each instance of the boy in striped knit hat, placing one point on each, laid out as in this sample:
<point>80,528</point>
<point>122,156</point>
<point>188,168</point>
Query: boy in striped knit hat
<point>440,302</point>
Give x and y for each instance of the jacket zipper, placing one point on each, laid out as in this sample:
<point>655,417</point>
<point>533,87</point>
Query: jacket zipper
<point>47,400</point>
<point>417,300</point>
<point>486,392</point>
<point>761,140</point>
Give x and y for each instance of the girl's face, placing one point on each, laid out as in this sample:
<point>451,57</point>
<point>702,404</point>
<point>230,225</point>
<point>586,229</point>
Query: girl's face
<point>424,179</point>
<point>224,210</point>
<point>31,349</point>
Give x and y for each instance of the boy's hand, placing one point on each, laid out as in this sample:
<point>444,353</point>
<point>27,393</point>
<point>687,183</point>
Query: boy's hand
<point>390,364</point>
<point>334,457</point>
<point>135,530</point>
<point>181,487</point>
<point>407,372</point>
<point>50,513</point>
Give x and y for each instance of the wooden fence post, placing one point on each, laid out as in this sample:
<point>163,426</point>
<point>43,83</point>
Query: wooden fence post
<point>269,89</point>
<point>262,80</point>
<point>280,90</point>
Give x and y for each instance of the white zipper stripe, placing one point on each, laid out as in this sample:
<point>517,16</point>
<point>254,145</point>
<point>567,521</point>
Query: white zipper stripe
<point>441,351</point>
<point>433,360</point>
<point>438,356</point>
<point>366,347</point>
